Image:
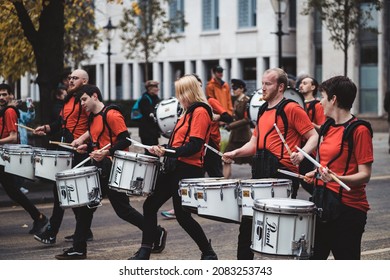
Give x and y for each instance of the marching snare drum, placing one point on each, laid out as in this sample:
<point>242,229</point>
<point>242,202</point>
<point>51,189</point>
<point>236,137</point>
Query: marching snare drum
<point>252,189</point>
<point>79,187</point>
<point>19,160</point>
<point>255,102</point>
<point>2,162</point>
<point>283,226</point>
<point>166,113</point>
<point>48,163</point>
<point>217,200</point>
<point>132,173</point>
<point>187,192</point>
<point>295,95</point>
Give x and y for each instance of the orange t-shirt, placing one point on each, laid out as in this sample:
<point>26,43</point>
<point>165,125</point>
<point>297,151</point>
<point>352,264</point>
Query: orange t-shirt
<point>362,153</point>
<point>200,124</point>
<point>298,124</point>
<point>215,134</point>
<point>115,121</point>
<point>70,114</point>
<point>11,118</point>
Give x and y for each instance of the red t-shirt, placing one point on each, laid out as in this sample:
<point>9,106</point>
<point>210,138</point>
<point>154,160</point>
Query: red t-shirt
<point>319,115</point>
<point>362,153</point>
<point>115,121</point>
<point>70,114</point>
<point>215,134</point>
<point>199,128</point>
<point>11,118</point>
<point>298,124</point>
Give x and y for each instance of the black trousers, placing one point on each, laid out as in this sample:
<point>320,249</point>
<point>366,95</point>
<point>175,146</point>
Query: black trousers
<point>213,163</point>
<point>167,186</point>
<point>342,236</point>
<point>7,180</point>
<point>121,204</point>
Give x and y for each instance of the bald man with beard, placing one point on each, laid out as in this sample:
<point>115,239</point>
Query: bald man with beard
<point>72,122</point>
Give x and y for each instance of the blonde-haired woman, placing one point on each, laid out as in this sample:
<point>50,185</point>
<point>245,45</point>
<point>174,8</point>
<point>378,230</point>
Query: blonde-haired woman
<point>187,139</point>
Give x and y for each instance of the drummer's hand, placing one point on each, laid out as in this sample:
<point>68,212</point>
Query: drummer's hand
<point>228,157</point>
<point>76,143</point>
<point>296,158</point>
<point>99,155</point>
<point>309,177</point>
<point>40,130</point>
<point>157,150</point>
<point>82,149</point>
<point>325,174</point>
<point>216,117</point>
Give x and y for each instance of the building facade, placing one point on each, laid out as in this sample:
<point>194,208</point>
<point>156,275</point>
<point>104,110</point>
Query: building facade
<point>240,35</point>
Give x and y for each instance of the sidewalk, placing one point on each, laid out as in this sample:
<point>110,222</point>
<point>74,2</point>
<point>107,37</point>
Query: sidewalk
<point>41,191</point>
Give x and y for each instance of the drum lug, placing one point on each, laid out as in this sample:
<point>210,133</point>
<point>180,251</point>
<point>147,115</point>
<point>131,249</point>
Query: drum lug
<point>301,247</point>
<point>55,161</point>
<point>6,158</point>
<point>272,192</point>
<point>221,194</point>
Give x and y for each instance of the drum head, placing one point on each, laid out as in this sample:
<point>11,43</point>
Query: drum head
<point>255,102</point>
<point>296,96</point>
<point>77,172</point>
<point>265,182</point>
<point>49,153</point>
<point>283,205</point>
<point>217,183</point>
<point>167,113</point>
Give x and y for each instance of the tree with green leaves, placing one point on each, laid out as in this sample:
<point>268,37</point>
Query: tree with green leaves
<point>35,35</point>
<point>343,19</point>
<point>146,28</point>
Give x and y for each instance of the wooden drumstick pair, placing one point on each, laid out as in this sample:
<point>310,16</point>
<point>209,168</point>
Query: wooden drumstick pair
<point>89,158</point>
<point>26,127</point>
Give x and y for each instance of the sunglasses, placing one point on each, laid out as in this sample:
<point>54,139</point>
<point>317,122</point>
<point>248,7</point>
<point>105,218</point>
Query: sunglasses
<point>73,78</point>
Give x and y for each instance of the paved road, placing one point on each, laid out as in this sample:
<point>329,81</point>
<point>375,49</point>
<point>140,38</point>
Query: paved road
<point>117,240</point>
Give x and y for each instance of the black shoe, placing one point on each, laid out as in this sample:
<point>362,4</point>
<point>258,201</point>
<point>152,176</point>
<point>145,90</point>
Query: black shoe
<point>159,244</point>
<point>39,225</point>
<point>46,237</point>
<point>209,254</point>
<point>71,254</point>
<point>142,254</point>
<point>69,238</point>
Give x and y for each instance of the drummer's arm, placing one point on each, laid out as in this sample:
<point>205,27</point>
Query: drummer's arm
<point>311,144</point>
<point>122,142</point>
<point>81,140</point>
<point>188,149</point>
<point>249,149</point>
<point>11,139</point>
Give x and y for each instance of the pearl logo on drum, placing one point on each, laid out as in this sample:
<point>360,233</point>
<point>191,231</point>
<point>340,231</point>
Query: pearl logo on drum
<point>270,229</point>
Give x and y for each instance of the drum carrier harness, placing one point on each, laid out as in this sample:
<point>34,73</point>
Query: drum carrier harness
<point>312,107</point>
<point>169,163</point>
<point>265,163</point>
<point>328,202</point>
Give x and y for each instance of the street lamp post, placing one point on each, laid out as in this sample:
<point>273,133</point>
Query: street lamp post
<point>280,7</point>
<point>109,34</point>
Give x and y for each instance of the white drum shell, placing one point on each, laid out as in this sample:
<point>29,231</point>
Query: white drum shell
<point>132,173</point>
<point>255,102</point>
<point>19,160</point>
<point>252,189</point>
<point>166,113</point>
<point>79,187</point>
<point>187,192</point>
<point>48,163</point>
<point>2,162</point>
<point>279,225</point>
<point>218,200</point>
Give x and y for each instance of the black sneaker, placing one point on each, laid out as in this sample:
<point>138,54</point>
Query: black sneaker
<point>71,254</point>
<point>69,238</point>
<point>46,237</point>
<point>39,225</point>
<point>142,254</point>
<point>209,253</point>
<point>159,244</point>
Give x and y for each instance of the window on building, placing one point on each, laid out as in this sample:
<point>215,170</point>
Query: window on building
<point>176,15</point>
<point>210,16</point>
<point>118,82</point>
<point>317,39</point>
<point>246,13</point>
<point>292,14</point>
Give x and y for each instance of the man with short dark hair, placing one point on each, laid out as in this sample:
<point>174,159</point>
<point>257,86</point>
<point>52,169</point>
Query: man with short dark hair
<point>219,89</point>
<point>9,135</point>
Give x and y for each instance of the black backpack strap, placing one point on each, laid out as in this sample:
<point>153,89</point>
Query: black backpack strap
<point>312,107</point>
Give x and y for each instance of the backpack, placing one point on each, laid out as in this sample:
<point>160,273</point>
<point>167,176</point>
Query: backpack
<point>136,114</point>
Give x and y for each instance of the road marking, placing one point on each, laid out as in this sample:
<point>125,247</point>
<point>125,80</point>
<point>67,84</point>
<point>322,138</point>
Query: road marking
<point>380,177</point>
<point>377,251</point>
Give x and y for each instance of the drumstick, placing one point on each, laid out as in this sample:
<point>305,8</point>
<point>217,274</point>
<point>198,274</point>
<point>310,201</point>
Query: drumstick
<point>89,158</point>
<point>26,127</point>
<point>138,144</point>
<point>59,143</point>
<point>292,174</point>
<point>320,166</point>
<point>282,138</point>
<point>67,147</point>
<point>214,150</point>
